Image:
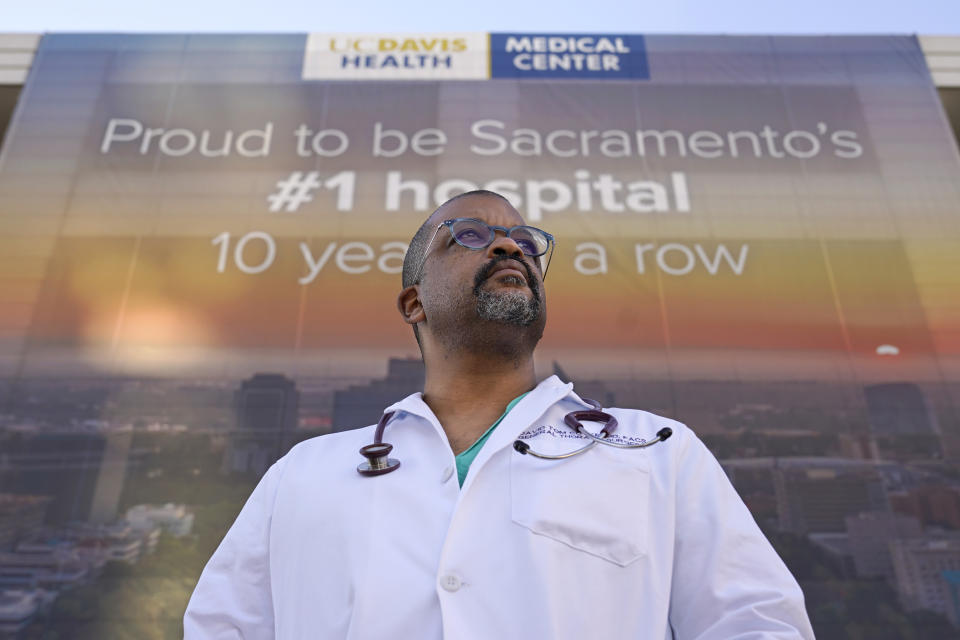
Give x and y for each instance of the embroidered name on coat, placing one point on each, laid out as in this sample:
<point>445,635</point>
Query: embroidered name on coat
<point>569,434</point>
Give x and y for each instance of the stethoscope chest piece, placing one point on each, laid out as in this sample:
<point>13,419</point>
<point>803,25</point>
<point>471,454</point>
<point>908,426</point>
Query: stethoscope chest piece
<point>377,461</point>
<point>377,454</point>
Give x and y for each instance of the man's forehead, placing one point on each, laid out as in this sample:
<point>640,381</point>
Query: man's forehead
<point>488,208</point>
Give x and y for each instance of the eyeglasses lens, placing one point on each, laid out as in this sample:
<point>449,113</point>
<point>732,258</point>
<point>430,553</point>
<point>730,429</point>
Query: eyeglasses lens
<point>472,234</point>
<point>531,241</point>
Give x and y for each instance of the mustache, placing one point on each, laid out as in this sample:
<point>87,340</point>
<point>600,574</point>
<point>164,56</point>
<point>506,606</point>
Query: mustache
<point>484,272</point>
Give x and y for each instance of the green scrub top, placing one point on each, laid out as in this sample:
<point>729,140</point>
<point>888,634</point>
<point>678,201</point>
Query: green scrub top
<point>465,458</point>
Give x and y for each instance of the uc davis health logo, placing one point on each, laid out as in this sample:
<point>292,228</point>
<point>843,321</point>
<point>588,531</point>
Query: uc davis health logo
<point>391,56</point>
<point>528,55</point>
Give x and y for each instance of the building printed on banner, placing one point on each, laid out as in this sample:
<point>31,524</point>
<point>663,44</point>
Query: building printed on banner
<point>393,56</point>
<point>527,55</point>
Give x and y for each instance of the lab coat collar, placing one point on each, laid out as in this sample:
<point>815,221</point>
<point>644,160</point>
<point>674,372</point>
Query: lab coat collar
<point>538,400</point>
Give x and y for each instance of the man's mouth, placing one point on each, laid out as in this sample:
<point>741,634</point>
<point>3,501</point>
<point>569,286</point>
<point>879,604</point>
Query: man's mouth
<point>507,271</point>
<point>510,273</point>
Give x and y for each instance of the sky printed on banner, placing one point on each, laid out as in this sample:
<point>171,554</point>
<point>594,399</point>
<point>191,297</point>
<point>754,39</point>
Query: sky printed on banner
<point>927,17</point>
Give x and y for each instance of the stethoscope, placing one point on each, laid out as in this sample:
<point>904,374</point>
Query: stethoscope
<point>573,419</point>
<point>378,460</point>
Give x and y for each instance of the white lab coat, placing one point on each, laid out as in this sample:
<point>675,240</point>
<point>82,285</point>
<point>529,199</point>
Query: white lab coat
<point>644,543</point>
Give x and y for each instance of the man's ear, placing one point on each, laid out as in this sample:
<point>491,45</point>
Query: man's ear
<point>408,302</point>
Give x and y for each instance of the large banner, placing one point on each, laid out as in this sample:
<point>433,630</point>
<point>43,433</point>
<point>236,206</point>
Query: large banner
<point>202,239</point>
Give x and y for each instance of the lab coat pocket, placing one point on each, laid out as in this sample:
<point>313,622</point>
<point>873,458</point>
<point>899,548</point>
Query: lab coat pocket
<point>593,502</point>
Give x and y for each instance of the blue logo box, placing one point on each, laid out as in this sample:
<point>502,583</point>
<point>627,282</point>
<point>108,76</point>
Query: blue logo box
<point>568,55</point>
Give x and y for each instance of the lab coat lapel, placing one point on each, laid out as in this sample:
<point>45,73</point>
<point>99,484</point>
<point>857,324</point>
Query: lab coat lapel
<point>531,407</point>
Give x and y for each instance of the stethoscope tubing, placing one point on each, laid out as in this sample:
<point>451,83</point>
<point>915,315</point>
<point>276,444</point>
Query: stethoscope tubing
<point>572,420</point>
<point>522,447</point>
<point>662,435</point>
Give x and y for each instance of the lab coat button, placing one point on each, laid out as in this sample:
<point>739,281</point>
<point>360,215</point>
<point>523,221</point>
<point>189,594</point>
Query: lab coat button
<point>447,473</point>
<point>450,582</point>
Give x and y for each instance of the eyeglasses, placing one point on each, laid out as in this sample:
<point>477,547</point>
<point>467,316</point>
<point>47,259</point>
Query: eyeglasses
<point>477,234</point>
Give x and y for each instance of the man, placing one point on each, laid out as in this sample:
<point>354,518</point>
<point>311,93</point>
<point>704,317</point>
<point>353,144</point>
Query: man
<point>610,543</point>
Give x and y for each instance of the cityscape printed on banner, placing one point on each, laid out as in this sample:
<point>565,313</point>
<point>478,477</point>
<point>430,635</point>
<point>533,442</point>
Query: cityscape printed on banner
<point>750,242</point>
<point>110,481</point>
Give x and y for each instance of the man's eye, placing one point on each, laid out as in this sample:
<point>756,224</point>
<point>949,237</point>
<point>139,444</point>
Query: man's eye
<point>527,247</point>
<point>469,235</point>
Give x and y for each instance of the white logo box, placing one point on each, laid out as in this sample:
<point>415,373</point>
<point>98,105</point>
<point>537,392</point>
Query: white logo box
<point>397,56</point>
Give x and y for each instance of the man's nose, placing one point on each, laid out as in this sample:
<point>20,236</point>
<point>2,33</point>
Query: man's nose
<point>502,244</point>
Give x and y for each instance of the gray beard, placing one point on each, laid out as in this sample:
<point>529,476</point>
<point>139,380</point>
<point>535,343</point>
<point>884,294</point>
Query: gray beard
<point>509,307</point>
